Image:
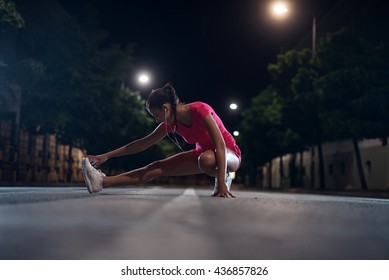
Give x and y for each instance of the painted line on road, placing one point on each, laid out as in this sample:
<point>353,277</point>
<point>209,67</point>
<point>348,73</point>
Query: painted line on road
<point>189,192</point>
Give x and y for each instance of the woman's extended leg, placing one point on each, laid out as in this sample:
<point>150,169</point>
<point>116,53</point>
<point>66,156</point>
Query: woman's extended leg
<point>181,164</point>
<point>185,163</point>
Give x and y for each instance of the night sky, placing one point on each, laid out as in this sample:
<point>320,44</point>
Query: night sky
<point>215,51</point>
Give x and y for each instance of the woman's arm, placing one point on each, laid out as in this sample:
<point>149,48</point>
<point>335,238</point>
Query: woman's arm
<point>221,155</point>
<point>131,148</point>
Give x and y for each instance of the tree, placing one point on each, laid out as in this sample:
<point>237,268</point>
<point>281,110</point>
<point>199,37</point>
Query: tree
<point>306,103</point>
<point>72,81</point>
<point>9,18</point>
<point>341,94</point>
<point>292,76</point>
<point>9,15</point>
<point>349,86</point>
<point>262,137</point>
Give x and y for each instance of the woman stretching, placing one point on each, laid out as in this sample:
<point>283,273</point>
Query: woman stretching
<point>216,152</point>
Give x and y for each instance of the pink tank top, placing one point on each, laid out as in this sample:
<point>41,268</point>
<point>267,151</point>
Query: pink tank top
<point>197,134</point>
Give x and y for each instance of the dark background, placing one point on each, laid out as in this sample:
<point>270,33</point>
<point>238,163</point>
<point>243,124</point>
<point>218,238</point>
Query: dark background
<point>213,51</point>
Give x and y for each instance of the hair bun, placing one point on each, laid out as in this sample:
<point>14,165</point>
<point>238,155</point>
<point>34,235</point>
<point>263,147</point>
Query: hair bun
<point>160,96</point>
<point>168,88</point>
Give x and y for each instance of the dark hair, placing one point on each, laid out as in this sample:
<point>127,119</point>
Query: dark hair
<point>160,96</point>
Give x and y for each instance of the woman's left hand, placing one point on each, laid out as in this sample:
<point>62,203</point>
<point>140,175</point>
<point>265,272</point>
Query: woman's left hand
<point>222,191</point>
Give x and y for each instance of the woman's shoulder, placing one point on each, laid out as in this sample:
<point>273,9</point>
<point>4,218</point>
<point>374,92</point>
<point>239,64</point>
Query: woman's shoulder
<point>200,109</point>
<point>198,105</point>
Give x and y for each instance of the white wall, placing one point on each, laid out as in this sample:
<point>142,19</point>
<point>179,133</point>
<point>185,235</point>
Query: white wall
<point>340,166</point>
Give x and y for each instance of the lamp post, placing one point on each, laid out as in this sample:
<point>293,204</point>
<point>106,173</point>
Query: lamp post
<point>313,37</point>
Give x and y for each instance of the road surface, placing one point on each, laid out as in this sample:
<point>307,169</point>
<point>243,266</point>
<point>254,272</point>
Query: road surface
<point>187,224</point>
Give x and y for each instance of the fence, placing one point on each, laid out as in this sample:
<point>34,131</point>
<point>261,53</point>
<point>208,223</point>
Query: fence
<point>36,158</point>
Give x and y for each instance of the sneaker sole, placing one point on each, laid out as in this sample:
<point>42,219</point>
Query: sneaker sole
<point>87,183</point>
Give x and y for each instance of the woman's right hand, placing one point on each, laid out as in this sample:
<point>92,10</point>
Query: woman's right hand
<point>96,161</point>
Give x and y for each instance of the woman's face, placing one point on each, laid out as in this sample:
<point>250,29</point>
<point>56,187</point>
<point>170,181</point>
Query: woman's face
<point>163,114</point>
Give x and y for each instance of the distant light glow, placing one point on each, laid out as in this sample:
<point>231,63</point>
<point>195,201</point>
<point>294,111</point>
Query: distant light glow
<point>143,78</point>
<point>236,133</point>
<point>280,9</point>
<point>233,106</point>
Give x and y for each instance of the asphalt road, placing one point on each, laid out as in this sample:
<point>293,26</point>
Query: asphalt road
<point>187,224</point>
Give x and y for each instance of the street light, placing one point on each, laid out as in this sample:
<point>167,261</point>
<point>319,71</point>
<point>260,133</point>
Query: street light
<point>143,78</point>
<point>233,106</point>
<point>279,9</point>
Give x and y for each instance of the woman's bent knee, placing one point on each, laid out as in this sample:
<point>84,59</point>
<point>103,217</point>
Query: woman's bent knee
<point>207,162</point>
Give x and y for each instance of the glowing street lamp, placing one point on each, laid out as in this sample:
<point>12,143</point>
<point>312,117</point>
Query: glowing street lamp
<point>233,106</point>
<point>279,9</point>
<point>143,78</point>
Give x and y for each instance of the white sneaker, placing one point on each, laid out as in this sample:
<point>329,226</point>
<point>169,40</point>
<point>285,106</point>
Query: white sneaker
<point>93,177</point>
<point>228,183</point>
